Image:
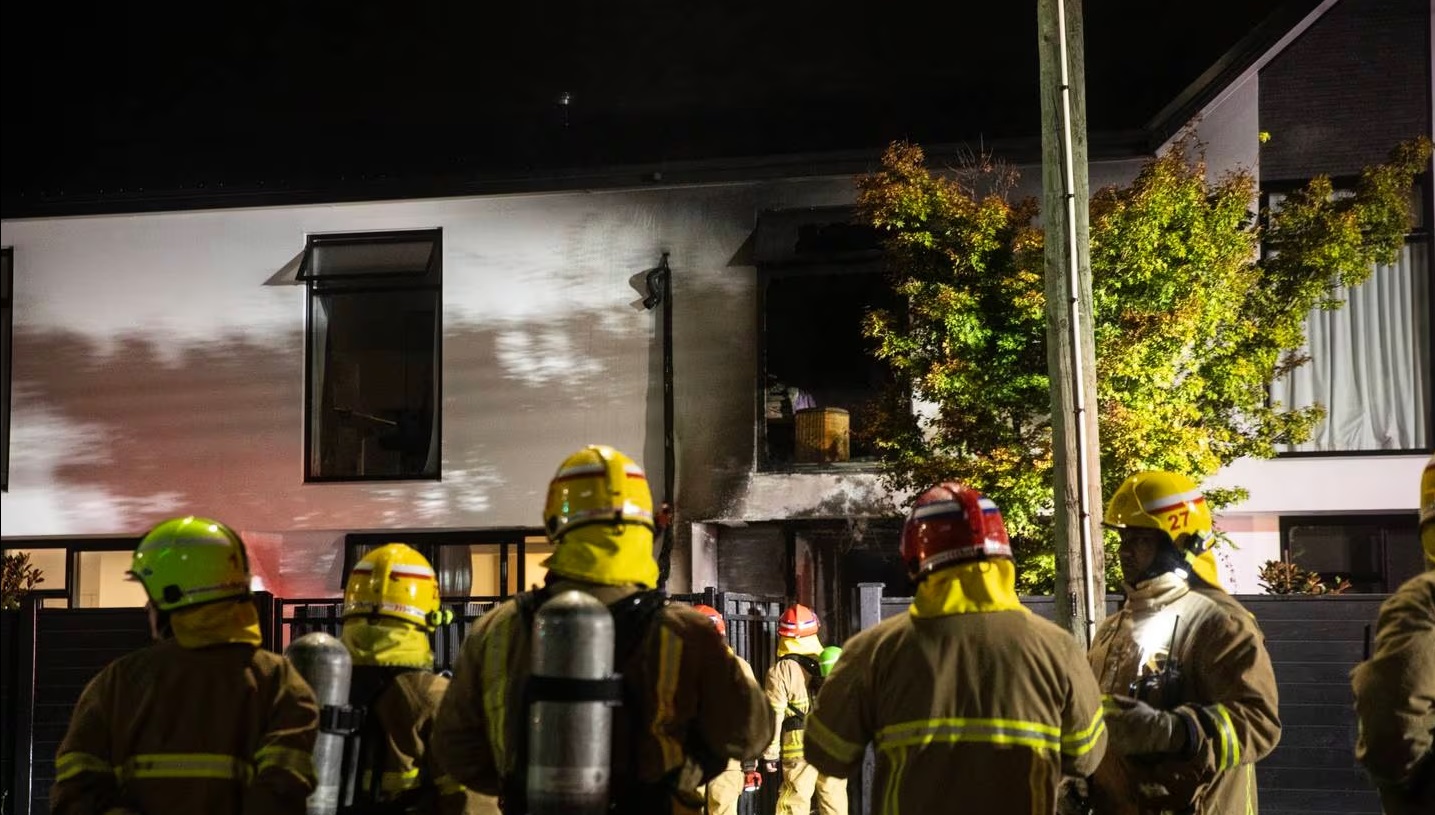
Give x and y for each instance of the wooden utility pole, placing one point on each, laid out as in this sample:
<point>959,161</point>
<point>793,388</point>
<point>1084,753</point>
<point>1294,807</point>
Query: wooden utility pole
<point>1071,356</point>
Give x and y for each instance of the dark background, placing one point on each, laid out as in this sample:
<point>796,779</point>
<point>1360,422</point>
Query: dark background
<point>115,95</point>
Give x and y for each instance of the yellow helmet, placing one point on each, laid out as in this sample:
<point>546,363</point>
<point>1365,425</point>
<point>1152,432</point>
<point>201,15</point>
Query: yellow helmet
<point>1427,512</point>
<point>1173,504</point>
<point>394,581</point>
<point>183,562</point>
<point>599,515</point>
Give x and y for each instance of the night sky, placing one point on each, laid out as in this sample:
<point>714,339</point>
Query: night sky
<point>177,94</point>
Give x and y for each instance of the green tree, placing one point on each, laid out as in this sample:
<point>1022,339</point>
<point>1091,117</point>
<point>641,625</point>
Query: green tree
<point>1199,304</point>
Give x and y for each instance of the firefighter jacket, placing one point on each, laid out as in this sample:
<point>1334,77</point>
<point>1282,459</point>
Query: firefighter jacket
<point>405,711</point>
<point>1219,682</point>
<point>787,687</point>
<point>686,700</point>
<point>1395,700</point>
<point>967,694</point>
<point>201,722</point>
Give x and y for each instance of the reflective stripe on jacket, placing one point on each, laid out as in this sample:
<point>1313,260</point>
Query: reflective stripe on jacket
<point>1227,687</point>
<point>167,729</point>
<point>1395,700</point>
<point>997,705</point>
<point>684,684</point>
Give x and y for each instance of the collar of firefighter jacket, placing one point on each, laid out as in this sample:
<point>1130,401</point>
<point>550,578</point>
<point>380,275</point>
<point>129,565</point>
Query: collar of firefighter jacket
<point>809,646</point>
<point>387,642</point>
<point>1162,590</point>
<point>603,560</point>
<point>218,623</point>
<point>971,588</point>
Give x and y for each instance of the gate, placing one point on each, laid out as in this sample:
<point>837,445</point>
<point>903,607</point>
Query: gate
<point>284,620</point>
<point>752,634</point>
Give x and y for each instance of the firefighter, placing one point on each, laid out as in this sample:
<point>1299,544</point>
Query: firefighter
<point>727,788</point>
<point>203,720</point>
<point>1191,701</point>
<point>687,705</point>
<point>792,684</point>
<point>968,696</point>
<point>1395,688</point>
<point>391,605</point>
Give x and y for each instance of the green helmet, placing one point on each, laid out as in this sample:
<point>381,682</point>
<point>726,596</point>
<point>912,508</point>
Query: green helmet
<point>183,562</point>
<point>828,658</point>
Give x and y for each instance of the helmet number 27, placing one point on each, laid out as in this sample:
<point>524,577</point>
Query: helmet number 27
<point>1178,519</point>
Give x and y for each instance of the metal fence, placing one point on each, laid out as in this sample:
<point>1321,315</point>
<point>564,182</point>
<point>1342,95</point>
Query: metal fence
<point>48,655</point>
<point>1313,642</point>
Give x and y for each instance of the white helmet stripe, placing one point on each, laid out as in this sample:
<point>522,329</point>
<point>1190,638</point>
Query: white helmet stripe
<point>581,469</point>
<point>939,508</point>
<point>1174,500</point>
<point>411,570</point>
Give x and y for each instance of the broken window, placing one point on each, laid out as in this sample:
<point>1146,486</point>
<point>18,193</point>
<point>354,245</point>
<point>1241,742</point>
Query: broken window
<point>819,275</point>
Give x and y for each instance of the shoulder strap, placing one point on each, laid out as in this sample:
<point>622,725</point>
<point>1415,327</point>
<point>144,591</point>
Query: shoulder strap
<point>810,668</point>
<point>631,617</point>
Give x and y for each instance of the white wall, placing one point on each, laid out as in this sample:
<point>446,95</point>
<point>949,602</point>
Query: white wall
<point>157,374</point>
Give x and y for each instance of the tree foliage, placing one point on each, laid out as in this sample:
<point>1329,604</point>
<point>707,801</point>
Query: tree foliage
<point>1199,303</point>
<point>17,579</point>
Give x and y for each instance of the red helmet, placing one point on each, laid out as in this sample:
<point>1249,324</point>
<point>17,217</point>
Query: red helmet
<point>712,614</point>
<point>949,524</point>
<point>797,621</point>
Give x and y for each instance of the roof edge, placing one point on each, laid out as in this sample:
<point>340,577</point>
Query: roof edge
<point>1251,53</point>
<point>1102,146</point>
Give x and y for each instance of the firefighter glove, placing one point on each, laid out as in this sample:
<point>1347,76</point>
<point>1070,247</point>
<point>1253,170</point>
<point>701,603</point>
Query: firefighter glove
<point>1136,728</point>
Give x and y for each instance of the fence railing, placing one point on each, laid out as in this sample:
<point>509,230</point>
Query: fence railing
<point>1313,643</point>
<point>48,655</point>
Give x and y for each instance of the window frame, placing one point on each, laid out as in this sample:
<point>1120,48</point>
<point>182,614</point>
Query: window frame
<point>7,325</point>
<point>1389,582</point>
<point>510,540</point>
<point>430,279</point>
<point>73,548</point>
<point>1423,233</point>
<point>793,263</point>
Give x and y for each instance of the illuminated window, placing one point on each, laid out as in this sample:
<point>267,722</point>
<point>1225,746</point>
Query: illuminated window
<point>374,330</point>
<point>1370,360</point>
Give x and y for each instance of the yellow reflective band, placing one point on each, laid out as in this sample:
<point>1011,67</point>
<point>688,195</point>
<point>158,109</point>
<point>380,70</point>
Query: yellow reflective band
<point>792,750</point>
<point>495,689</point>
<point>1082,741</point>
<point>953,731</point>
<point>278,757</point>
<point>186,765</point>
<point>392,783</point>
<point>894,784</point>
<point>70,765</point>
<point>670,654</point>
<point>835,746</point>
<point>448,786</point>
<point>1230,745</point>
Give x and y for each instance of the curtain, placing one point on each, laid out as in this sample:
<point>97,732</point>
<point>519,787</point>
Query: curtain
<point>1370,362</point>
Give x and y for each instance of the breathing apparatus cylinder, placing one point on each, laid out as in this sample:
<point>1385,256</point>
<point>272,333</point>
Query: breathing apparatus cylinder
<point>326,665</point>
<point>572,689</point>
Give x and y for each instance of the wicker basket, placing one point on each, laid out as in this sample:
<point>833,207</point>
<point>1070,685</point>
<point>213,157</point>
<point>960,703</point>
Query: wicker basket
<point>822,435</point>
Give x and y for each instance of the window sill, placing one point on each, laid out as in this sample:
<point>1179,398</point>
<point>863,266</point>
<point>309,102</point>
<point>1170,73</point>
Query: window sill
<point>830,468</point>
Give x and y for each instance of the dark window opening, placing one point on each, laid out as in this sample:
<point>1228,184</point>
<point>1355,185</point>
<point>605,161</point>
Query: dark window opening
<point>1376,553</point>
<point>374,333</point>
<point>817,359</point>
